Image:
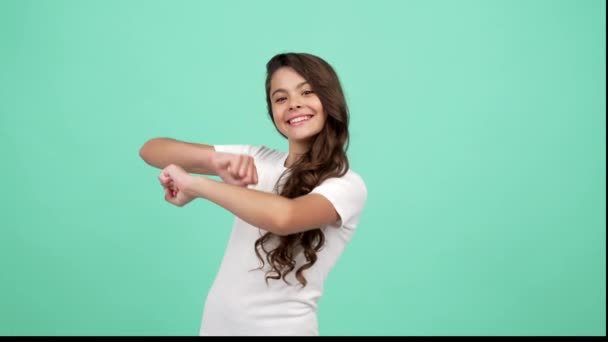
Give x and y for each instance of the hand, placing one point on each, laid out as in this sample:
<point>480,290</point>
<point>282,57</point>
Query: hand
<point>176,183</point>
<point>236,169</point>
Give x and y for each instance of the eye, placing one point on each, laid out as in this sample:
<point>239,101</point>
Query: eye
<point>279,99</point>
<point>306,92</point>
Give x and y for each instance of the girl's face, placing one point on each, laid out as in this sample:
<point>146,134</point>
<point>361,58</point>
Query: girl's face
<point>296,108</point>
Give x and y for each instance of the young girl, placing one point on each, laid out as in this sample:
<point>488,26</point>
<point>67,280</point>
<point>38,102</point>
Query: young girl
<point>295,212</point>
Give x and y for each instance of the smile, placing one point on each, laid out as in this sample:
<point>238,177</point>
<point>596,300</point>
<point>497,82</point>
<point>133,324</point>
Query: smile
<point>300,120</point>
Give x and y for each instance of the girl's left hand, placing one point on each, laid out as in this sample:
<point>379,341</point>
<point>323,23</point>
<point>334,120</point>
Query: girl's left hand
<point>176,182</point>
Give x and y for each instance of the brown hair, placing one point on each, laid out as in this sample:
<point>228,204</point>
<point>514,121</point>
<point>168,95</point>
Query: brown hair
<point>326,158</point>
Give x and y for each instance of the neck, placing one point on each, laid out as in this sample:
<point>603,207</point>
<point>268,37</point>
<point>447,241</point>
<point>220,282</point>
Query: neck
<point>296,150</point>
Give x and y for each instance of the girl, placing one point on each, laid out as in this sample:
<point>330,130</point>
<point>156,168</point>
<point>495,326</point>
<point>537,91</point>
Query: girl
<point>295,212</point>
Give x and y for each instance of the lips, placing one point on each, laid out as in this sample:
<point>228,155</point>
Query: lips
<point>298,116</point>
<point>299,121</point>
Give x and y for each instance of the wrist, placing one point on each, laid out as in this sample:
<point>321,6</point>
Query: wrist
<point>196,186</point>
<point>210,162</point>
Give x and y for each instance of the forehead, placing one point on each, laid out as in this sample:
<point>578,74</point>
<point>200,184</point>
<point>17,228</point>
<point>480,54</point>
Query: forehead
<point>285,77</point>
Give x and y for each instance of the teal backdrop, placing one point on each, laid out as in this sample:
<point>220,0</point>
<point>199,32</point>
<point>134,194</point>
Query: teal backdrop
<point>477,125</point>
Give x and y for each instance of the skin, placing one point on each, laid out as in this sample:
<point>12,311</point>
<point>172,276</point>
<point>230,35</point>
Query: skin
<point>291,96</point>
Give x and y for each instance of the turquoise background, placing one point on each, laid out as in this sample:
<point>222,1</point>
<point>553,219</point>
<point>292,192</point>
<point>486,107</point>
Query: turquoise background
<point>478,126</point>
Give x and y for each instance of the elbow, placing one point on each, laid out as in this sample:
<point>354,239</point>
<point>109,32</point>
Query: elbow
<point>283,223</point>
<point>143,151</point>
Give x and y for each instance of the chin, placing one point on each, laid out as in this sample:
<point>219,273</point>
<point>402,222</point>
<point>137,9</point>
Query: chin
<point>304,137</point>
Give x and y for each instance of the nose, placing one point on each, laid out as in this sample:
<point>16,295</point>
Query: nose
<point>294,104</point>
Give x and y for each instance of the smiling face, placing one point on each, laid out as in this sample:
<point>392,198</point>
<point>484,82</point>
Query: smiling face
<point>296,109</point>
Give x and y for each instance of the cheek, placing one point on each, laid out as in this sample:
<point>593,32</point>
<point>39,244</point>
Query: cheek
<point>277,121</point>
<point>274,113</point>
<point>318,105</point>
<point>323,119</point>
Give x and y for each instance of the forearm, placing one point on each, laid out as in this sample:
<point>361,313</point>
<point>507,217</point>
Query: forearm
<point>261,209</point>
<point>192,157</point>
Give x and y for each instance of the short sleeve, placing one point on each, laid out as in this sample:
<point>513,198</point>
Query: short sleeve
<point>348,194</point>
<point>238,149</point>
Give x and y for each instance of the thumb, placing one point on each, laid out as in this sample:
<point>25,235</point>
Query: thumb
<point>224,163</point>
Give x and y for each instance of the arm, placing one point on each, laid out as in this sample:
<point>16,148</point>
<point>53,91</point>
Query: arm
<point>194,158</point>
<point>271,212</point>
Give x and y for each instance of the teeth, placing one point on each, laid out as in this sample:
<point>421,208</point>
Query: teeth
<point>301,118</point>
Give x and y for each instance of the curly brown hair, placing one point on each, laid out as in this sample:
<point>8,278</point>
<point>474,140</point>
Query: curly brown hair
<point>325,158</point>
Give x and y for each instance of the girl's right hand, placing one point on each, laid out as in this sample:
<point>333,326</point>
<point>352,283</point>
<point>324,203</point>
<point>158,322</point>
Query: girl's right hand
<point>236,169</point>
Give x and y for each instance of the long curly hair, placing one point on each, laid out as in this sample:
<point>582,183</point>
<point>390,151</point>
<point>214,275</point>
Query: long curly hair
<point>325,158</point>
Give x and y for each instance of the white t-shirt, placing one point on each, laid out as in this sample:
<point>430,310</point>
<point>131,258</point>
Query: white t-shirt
<point>239,301</point>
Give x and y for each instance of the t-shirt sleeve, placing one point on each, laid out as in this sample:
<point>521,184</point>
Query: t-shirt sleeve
<point>348,194</point>
<point>237,149</point>
<point>259,152</point>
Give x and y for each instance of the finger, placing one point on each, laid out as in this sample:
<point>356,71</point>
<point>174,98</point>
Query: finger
<point>229,166</point>
<point>162,178</point>
<point>235,166</point>
<point>171,200</point>
<point>167,185</point>
<point>246,160</point>
<point>177,198</point>
<point>165,178</point>
<point>250,176</point>
<point>255,174</point>
<point>168,195</point>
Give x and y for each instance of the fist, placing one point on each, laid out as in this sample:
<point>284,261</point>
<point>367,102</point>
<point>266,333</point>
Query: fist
<point>177,184</point>
<point>236,169</point>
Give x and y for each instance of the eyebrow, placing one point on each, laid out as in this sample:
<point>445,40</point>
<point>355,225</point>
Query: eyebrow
<point>283,90</point>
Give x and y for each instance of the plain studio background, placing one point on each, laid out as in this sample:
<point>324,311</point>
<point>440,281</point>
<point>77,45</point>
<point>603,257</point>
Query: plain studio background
<point>478,126</point>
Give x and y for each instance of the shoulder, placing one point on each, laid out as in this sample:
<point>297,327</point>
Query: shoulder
<point>351,182</point>
<point>355,180</point>
<point>347,193</point>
